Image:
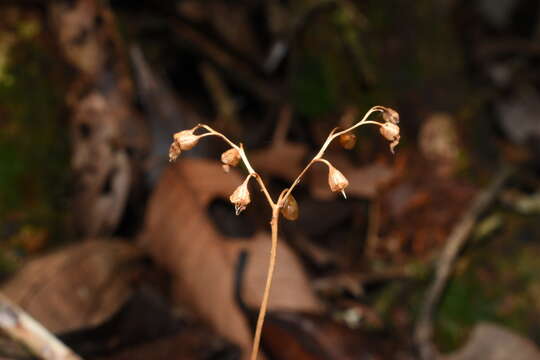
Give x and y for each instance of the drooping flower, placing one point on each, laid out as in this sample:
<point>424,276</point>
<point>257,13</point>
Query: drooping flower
<point>185,139</point>
<point>391,132</point>
<point>230,157</point>
<point>390,115</point>
<point>240,197</point>
<point>174,151</point>
<point>336,180</point>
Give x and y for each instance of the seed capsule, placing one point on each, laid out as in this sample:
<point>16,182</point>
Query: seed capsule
<point>186,139</point>
<point>240,197</point>
<point>230,157</point>
<point>348,141</point>
<point>290,209</point>
<point>336,180</point>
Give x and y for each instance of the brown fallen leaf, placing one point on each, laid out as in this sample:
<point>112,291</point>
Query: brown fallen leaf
<point>180,237</point>
<point>283,159</point>
<point>493,342</point>
<point>80,285</point>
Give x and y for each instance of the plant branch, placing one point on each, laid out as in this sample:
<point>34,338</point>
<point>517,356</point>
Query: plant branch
<point>333,135</point>
<point>240,198</point>
<point>245,160</point>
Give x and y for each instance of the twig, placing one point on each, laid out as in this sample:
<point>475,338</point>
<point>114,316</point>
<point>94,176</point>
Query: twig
<point>24,329</point>
<point>424,328</point>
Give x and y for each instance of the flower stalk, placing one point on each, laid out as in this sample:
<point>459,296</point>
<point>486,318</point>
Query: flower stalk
<point>285,204</point>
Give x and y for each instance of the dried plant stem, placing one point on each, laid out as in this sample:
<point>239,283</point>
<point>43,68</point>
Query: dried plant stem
<point>333,135</point>
<point>270,273</point>
<point>277,205</point>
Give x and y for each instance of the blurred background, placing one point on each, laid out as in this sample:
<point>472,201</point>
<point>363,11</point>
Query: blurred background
<point>123,255</point>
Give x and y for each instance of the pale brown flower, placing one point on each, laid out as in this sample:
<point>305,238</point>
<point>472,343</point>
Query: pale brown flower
<point>391,132</point>
<point>336,180</point>
<point>186,139</point>
<point>240,197</point>
<point>174,151</point>
<point>390,115</point>
<point>230,157</point>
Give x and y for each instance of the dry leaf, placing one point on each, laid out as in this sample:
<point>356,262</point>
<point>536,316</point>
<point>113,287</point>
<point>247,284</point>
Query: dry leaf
<point>285,160</point>
<point>80,285</point>
<point>180,237</point>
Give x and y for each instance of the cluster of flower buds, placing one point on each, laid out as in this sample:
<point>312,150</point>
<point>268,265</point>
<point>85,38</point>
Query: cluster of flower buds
<point>230,158</point>
<point>183,140</point>
<point>240,197</point>
<point>390,128</point>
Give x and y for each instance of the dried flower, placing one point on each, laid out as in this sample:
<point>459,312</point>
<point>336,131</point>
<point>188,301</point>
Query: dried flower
<point>230,157</point>
<point>174,151</point>
<point>290,208</point>
<point>390,115</point>
<point>240,197</point>
<point>347,140</point>
<point>391,132</point>
<point>186,139</point>
<point>336,180</point>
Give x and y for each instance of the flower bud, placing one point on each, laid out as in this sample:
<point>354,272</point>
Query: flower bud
<point>336,180</point>
<point>174,151</point>
<point>347,140</point>
<point>230,157</point>
<point>186,139</point>
<point>240,197</point>
<point>391,132</point>
<point>290,209</point>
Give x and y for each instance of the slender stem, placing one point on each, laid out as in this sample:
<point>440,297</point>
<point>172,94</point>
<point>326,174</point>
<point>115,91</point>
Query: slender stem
<point>256,175</point>
<point>266,295</point>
